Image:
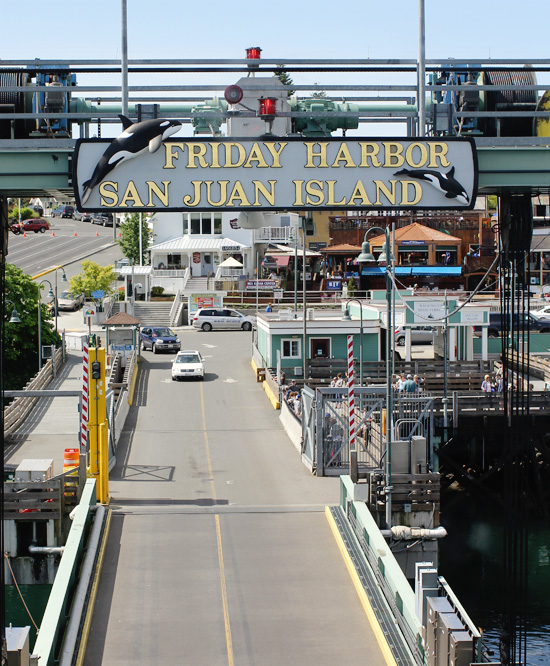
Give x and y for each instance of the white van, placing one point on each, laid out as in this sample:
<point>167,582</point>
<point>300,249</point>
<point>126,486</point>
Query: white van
<point>208,319</point>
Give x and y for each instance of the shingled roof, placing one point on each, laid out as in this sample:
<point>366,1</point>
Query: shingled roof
<point>122,319</point>
<point>417,232</point>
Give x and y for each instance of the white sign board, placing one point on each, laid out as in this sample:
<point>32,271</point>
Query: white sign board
<point>426,311</point>
<point>149,172</point>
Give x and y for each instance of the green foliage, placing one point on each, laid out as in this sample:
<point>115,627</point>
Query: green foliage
<point>284,78</point>
<point>492,201</point>
<point>157,291</point>
<point>21,340</point>
<point>93,278</point>
<point>352,286</point>
<point>129,238</point>
<point>26,214</point>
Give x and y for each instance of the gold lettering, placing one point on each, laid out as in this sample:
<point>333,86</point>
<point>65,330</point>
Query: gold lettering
<point>423,154</point>
<point>108,197</point>
<point>241,154</point>
<point>196,151</point>
<point>155,189</point>
<point>394,154</point>
<point>369,149</point>
<point>405,192</point>
<point>187,200</point>
<point>330,195</point>
<point>215,147</point>
<point>381,187</point>
<point>171,155</point>
<point>223,192</point>
<point>255,155</point>
<point>315,189</point>
<point>131,194</point>
<point>360,193</point>
<point>438,152</point>
<point>299,200</point>
<point>322,155</point>
<point>260,188</point>
<point>343,155</point>
<point>276,154</point>
<point>238,193</point>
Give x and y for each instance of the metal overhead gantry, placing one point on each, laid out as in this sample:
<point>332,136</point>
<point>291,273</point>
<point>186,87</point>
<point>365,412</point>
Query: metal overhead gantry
<point>46,105</point>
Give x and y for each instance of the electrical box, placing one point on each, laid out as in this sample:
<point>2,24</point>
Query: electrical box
<point>461,649</point>
<point>17,642</point>
<point>436,607</point>
<point>402,457</point>
<point>34,469</point>
<point>420,453</point>
<point>447,623</point>
<point>426,585</point>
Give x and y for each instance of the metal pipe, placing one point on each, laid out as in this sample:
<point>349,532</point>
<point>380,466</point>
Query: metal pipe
<point>124,58</point>
<point>77,608</point>
<point>46,550</point>
<point>389,396</point>
<point>421,70</point>
<point>360,339</point>
<point>304,353</point>
<point>406,533</point>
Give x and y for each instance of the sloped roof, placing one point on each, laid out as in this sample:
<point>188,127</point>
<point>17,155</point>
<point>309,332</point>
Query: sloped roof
<point>344,248</point>
<point>198,244</point>
<point>122,319</point>
<point>417,232</point>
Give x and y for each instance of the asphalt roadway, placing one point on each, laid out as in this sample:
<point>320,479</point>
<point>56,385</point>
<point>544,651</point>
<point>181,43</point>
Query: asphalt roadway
<point>219,550</point>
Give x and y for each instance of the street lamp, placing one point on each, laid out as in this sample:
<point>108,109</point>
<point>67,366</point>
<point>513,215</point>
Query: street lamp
<point>50,295</point>
<point>348,318</point>
<point>63,279</point>
<point>14,319</point>
<point>386,257</point>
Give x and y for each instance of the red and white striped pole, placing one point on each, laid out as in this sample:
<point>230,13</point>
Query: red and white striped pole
<point>84,406</point>
<point>351,395</point>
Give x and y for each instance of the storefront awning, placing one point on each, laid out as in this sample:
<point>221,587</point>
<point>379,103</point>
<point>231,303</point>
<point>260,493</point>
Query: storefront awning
<point>420,271</point>
<point>282,261</point>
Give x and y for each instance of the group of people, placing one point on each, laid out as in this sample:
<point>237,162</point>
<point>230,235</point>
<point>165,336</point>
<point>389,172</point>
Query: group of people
<point>408,384</point>
<point>293,398</point>
<point>489,385</point>
<point>339,381</point>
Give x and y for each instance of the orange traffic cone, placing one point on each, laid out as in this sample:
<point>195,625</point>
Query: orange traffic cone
<point>97,233</point>
<point>53,233</point>
<point>24,235</point>
<point>75,233</point>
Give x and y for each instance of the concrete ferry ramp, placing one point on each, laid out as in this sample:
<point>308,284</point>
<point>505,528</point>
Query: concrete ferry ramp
<point>219,550</point>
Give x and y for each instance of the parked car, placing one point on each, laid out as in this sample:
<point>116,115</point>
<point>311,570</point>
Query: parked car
<point>66,301</point>
<point>541,313</point>
<point>82,216</point>
<point>187,364</point>
<point>36,225</point>
<point>63,211</point>
<point>419,335</point>
<point>497,323</point>
<point>159,338</point>
<point>207,319</point>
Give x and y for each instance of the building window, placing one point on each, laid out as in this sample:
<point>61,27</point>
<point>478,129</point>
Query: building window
<point>201,223</point>
<point>291,348</point>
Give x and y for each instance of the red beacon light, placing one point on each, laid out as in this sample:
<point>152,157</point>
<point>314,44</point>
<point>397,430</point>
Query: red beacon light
<point>268,107</point>
<point>253,53</point>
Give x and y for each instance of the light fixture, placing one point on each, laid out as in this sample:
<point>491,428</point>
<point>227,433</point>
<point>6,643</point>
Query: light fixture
<point>14,319</point>
<point>346,315</point>
<point>366,256</point>
<point>253,53</point>
<point>267,107</point>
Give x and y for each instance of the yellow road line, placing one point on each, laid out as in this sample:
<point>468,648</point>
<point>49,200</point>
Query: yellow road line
<point>93,593</point>
<point>363,598</point>
<point>228,640</point>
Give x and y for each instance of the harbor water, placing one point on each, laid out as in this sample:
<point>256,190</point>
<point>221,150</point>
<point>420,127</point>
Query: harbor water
<point>470,559</point>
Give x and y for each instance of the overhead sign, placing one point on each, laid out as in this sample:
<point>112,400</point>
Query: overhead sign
<point>140,171</point>
<point>261,284</point>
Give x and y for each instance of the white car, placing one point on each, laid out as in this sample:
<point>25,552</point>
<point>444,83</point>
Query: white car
<point>66,301</point>
<point>187,364</point>
<point>207,319</point>
<point>542,313</point>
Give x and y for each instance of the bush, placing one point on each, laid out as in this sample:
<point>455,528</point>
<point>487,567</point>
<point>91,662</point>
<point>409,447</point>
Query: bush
<point>157,291</point>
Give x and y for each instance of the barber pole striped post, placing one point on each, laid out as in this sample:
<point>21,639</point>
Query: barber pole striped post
<point>84,408</point>
<point>351,395</point>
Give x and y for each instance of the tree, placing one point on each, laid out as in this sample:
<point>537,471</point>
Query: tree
<point>284,78</point>
<point>129,238</point>
<point>93,277</point>
<point>21,340</point>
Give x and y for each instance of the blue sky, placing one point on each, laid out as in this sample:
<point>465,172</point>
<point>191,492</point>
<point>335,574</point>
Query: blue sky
<point>291,29</point>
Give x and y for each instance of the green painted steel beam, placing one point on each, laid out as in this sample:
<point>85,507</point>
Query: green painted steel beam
<point>42,168</point>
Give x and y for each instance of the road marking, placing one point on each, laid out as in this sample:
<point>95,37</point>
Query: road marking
<point>228,639</point>
<point>210,346</point>
<point>230,381</point>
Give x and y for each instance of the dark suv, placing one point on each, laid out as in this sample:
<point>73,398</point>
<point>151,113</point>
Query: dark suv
<point>159,338</point>
<point>63,211</point>
<point>497,322</point>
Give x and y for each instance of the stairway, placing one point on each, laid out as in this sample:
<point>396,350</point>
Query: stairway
<point>152,313</point>
<point>197,285</point>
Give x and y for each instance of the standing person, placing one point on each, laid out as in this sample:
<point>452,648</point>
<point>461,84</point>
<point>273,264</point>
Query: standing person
<point>486,385</point>
<point>269,308</point>
<point>401,383</point>
<point>339,381</point>
<point>418,381</point>
<point>410,385</point>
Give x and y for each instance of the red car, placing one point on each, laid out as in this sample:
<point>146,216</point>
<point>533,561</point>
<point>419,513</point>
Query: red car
<point>36,225</point>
